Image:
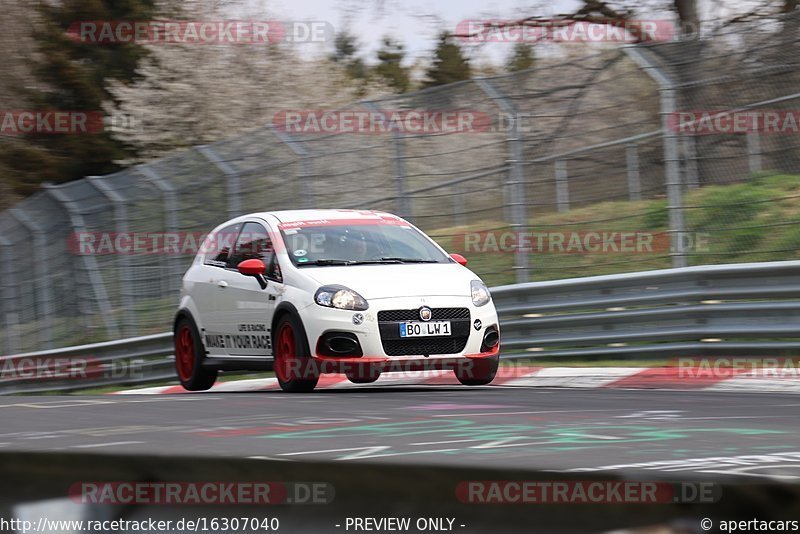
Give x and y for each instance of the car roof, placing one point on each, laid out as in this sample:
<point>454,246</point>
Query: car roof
<point>286,216</point>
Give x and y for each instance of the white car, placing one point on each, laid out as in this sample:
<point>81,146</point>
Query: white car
<point>310,292</point>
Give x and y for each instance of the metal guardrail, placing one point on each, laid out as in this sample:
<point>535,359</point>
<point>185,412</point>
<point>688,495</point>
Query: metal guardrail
<point>138,360</point>
<point>741,309</point>
<point>745,309</point>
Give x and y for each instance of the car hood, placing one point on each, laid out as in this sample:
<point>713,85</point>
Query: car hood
<point>391,280</point>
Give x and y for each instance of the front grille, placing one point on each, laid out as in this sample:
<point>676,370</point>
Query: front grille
<point>423,346</point>
<point>438,314</point>
<point>394,345</point>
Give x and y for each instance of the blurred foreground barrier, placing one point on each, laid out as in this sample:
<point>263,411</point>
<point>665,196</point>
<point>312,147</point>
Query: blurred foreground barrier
<point>43,485</point>
<point>741,309</point>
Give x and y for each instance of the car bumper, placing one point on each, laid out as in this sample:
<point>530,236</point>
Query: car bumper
<point>319,321</point>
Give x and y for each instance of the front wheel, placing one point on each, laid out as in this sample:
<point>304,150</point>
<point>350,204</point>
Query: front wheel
<point>189,353</point>
<point>478,371</point>
<point>294,368</point>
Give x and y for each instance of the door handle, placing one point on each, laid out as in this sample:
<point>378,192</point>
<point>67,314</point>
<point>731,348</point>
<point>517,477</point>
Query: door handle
<point>222,284</point>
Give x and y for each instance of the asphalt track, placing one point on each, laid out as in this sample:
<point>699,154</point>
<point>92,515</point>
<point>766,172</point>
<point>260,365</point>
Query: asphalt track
<point>663,433</point>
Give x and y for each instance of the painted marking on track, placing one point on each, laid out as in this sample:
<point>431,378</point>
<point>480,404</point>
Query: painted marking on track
<point>591,436</point>
<point>364,455</point>
<point>653,414</point>
<point>453,406</point>
<point>523,413</point>
<point>113,444</point>
<point>747,471</point>
<point>444,442</point>
<point>57,404</point>
<point>713,464</point>
<point>365,451</point>
<point>79,403</point>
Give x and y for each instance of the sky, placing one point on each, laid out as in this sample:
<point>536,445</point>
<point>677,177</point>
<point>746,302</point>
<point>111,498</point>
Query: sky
<point>416,23</point>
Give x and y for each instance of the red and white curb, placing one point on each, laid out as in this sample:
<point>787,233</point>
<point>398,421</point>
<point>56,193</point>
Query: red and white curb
<point>738,380</point>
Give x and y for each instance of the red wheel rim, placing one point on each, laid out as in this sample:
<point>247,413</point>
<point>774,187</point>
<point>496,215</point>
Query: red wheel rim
<point>184,353</point>
<point>285,354</point>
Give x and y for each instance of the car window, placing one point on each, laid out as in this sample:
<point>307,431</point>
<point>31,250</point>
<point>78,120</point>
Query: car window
<point>219,246</point>
<point>355,242</point>
<point>254,243</point>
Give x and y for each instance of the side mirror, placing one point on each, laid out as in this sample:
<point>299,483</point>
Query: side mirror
<point>255,268</point>
<point>461,260</point>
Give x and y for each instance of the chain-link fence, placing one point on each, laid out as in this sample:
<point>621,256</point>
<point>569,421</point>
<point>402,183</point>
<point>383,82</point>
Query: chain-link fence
<point>613,160</point>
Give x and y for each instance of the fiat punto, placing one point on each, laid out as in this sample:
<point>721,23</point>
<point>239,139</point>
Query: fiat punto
<point>310,292</point>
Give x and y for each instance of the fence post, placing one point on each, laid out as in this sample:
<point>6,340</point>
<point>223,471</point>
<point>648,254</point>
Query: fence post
<point>677,226</point>
<point>170,194</point>
<point>516,176</point>
<point>632,165</point>
<point>306,184</point>
<point>44,294</point>
<point>10,313</point>
<point>233,181</point>
<point>754,152</point>
<point>690,160</point>
<point>89,263</point>
<point>124,270</point>
<point>562,185</point>
<point>403,203</point>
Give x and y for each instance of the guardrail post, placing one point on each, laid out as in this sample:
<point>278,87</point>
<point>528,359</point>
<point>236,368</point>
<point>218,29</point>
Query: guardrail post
<point>307,166</point>
<point>89,263</point>
<point>516,176</point>
<point>754,151</point>
<point>677,225</point>
<point>562,185</point>
<point>124,270</point>
<point>170,218</point>
<point>44,294</point>
<point>632,166</point>
<point>233,182</point>
<point>10,313</point>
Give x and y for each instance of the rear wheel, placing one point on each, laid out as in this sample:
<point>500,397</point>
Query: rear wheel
<point>477,371</point>
<point>189,354</point>
<point>294,367</point>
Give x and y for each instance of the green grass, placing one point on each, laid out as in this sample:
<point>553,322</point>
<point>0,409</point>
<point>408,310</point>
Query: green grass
<point>754,221</point>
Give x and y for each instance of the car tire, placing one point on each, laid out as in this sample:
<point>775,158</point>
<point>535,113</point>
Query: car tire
<point>189,355</point>
<point>478,371</point>
<point>294,368</point>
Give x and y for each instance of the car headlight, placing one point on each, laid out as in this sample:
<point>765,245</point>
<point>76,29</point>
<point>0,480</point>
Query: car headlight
<point>340,297</point>
<point>480,293</point>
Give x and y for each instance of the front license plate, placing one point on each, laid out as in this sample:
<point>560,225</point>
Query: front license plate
<point>420,329</point>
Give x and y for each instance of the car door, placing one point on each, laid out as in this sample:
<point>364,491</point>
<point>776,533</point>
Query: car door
<point>208,285</point>
<point>246,309</point>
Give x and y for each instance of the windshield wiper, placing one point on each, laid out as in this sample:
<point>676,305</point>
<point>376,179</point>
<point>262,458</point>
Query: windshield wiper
<point>409,260</point>
<point>326,262</point>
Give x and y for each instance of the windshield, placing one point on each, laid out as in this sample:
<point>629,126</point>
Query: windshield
<point>350,244</point>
